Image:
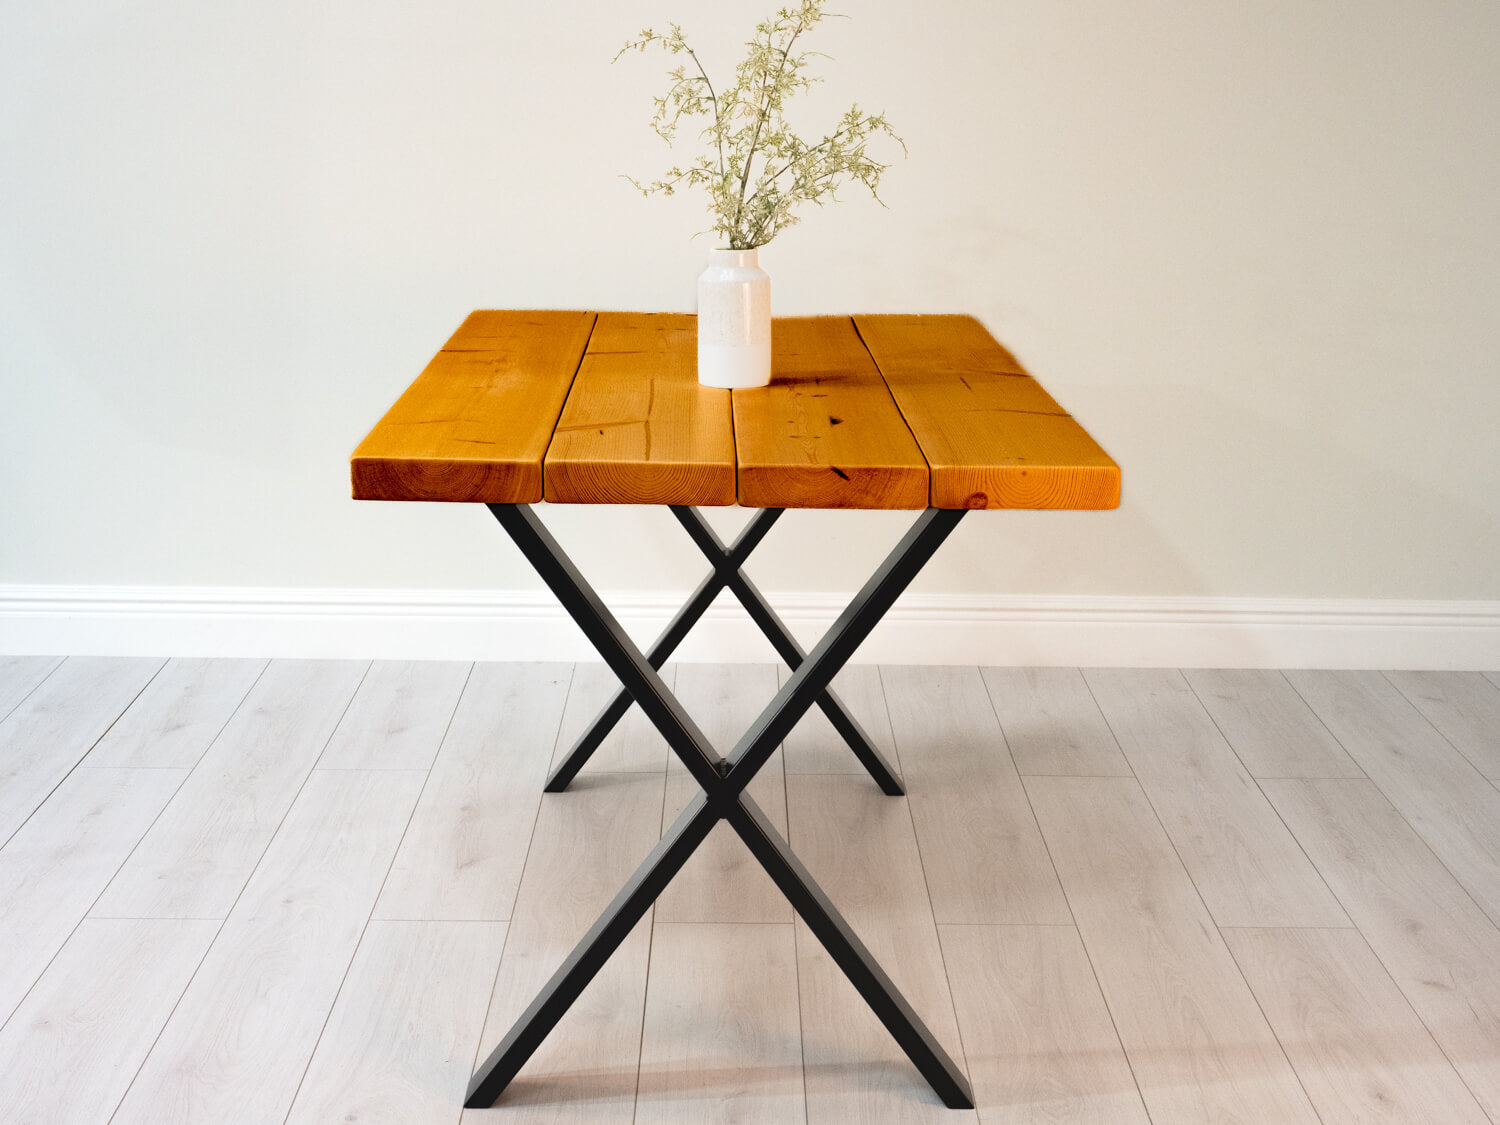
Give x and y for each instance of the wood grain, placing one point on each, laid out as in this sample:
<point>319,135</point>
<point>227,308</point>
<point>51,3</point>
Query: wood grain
<point>1436,788</point>
<point>1052,724</point>
<point>992,436</point>
<point>19,676</point>
<point>239,1041</point>
<point>825,433</point>
<point>398,1043</point>
<point>966,801</point>
<point>463,853</point>
<point>1040,1041</point>
<point>1241,857</point>
<point>1196,1039</point>
<point>75,1043</point>
<point>1435,942</point>
<point>179,714</point>
<point>1269,725</point>
<point>476,423</point>
<point>721,1041</point>
<point>53,869</point>
<point>199,853</point>
<point>398,716</point>
<point>588,842</point>
<point>53,727</point>
<point>860,847</point>
<point>1360,1050</point>
<point>1464,707</point>
<point>638,428</point>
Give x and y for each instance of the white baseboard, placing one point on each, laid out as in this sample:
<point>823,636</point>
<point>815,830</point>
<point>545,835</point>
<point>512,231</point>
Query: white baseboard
<point>921,629</point>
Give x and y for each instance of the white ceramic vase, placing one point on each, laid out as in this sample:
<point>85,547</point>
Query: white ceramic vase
<point>734,321</point>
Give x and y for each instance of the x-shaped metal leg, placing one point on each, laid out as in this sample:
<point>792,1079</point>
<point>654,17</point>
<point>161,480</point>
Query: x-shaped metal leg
<point>727,563</point>
<point>723,798</point>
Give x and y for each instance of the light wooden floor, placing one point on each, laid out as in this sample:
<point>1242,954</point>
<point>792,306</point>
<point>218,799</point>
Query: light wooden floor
<point>233,891</point>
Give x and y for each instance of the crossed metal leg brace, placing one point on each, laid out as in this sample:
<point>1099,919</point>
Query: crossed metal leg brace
<point>723,783</point>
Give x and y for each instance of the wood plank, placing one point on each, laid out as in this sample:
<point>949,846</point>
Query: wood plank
<point>993,437</point>
<point>1436,788</point>
<point>861,848</point>
<point>398,716</point>
<point>966,801</point>
<point>1040,1041</point>
<point>588,842</point>
<point>200,852</point>
<point>475,424</point>
<point>1269,725</point>
<point>1199,1046</point>
<point>825,433</point>
<point>813,746</point>
<point>1052,724</point>
<point>1360,1050</point>
<point>1464,707</point>
<point>240,1039</point>
<point>75,1043</point>
<point>1436,943</point>
<point>638,428</point>
<point>722,882</point>
<point>50,731</point>
<point>721,1040</point>
<point>399,1042</point>
<point>466,845</point>
<point>634,746</point>
<point>178,715</point>
<point>19,676</point>
<point>1241,857</point>
<point>53,869</point>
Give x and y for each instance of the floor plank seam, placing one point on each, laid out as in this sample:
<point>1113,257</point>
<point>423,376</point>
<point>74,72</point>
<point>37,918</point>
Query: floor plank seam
<point>32,691</point>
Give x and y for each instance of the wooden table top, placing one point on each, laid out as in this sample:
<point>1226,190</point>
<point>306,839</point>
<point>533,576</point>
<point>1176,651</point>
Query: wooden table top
<point>606,408</point>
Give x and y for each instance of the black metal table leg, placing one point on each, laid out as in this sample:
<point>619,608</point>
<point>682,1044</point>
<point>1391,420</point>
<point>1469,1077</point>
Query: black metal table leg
<point>723,798</point>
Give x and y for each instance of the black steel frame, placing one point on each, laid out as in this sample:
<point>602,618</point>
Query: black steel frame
<point>723,780</point>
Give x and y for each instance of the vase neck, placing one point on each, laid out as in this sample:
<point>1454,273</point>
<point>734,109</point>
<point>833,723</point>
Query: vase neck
<point>736,259</point>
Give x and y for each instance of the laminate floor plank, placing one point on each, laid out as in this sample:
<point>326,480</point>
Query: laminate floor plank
<point>198,855</point>
<point>1243,860</point>
<point>178,715</point>
<point>19,677</point>
<point>54,867</point>
<point>462,857</point>
<point>1464,707</point>
<point>1196,1039</point>
<point>1362,1053</point>
<point>588,842</point>
<point>1052,724</point>
<point>1269,725</point>
<point>967,801</point>
<point>814,746</point>
<point>398,716</point>
<point>240,1039</point>
<point>49,731</point>
<point>76,1041</point>
<point>1438,946</point>
<point>633,746</point>
<point>1436,788</point>
<point>722,882</point>
<point>1040,1042</point>
<point>860,847</point>
<point>399,1043</point>
<point>721,1041</point>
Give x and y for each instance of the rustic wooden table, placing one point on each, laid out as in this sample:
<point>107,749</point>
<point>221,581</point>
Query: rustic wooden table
<point>912,412</point>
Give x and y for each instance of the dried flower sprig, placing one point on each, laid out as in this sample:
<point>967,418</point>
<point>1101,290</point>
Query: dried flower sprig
<point>757,170</point>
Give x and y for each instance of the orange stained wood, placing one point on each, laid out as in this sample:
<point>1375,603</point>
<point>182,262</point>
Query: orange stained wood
<point>638,428</point>
<point>825,433</point>
<point>475,424</point>
<point>992,436</point>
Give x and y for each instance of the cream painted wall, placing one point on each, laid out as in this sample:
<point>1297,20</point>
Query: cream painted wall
<point>1253,245</point>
